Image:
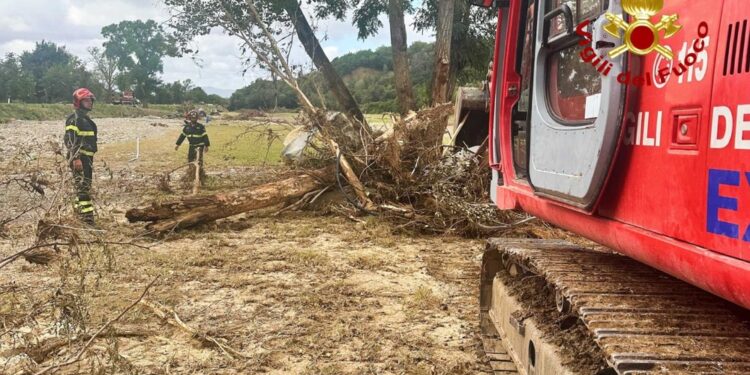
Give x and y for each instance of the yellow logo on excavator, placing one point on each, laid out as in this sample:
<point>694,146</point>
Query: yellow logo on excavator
<point>642,36</point>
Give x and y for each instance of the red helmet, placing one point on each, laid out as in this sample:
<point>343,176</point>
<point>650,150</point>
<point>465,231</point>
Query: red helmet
<point>191,115</point>
<point>80,94</point>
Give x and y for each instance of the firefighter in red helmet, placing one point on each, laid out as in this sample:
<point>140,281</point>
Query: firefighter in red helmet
<point>198,142</point>
<point>80,140</point>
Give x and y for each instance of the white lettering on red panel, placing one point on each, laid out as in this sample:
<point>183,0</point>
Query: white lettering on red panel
<point>644,129</point>
<point>730,130</point>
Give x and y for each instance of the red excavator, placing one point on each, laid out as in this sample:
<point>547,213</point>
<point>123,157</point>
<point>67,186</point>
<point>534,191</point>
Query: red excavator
<point>624,122</point>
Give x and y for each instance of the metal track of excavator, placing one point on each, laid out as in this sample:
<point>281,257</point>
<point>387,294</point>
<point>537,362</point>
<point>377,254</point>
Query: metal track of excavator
<point>639,320</point>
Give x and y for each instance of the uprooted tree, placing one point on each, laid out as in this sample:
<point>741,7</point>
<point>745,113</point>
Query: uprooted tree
<point>266,28</point>
<point>400,173</point>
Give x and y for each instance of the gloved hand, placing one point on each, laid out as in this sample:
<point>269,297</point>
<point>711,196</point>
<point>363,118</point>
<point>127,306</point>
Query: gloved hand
<point>176,147</point>
<point>205,149</point>
<point>77,165</point>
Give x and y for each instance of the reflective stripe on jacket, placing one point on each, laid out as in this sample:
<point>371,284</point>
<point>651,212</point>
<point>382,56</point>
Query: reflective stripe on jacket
<point>80,135</point>
<point>195,134</point>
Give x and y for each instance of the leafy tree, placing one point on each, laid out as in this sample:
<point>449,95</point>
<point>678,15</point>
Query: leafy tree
<point>59,81</point>
<point>105,70</point>
<point>15,83</point>
<point>218,100</point>
<point>55,72</point>
<point>261,95</point>
<point>163,95</point>
<point>37,62</point>
<point>139,48</point>
<point>197,95</point>
<point>379,59</point>
<point>421,61</point>
<point>179,92</point>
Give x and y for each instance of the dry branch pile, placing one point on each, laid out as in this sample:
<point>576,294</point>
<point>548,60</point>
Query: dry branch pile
<point>397,174</point>
<point>401,174</point>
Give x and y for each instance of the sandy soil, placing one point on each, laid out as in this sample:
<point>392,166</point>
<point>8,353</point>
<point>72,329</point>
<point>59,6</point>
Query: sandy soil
<point>294,294</point>
<point>20,135</point>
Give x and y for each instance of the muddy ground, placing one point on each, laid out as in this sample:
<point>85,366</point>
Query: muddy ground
<point>297,293</point>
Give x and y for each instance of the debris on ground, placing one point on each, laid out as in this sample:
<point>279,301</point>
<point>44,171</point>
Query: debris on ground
<point>246,114</point>
<point>400,174</point>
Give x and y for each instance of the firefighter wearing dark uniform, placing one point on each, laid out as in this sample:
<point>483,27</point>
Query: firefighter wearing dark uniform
<point>197,138</point>
<point>80,140</point>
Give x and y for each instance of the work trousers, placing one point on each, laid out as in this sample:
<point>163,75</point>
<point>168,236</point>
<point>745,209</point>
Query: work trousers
<point>82,179</point>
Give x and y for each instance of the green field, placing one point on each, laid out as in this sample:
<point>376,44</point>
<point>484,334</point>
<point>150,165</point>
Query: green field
<point>233,143</point>
<point>47,112</point>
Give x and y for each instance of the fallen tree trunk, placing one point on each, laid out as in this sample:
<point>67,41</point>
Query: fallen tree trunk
<point>194,210</point>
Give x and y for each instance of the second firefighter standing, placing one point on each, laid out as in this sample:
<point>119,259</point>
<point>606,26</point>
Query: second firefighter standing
<point>198,142</point>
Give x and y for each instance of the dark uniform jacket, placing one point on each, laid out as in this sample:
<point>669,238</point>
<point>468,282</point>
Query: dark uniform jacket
<point>196,135</point>
<point>80,135</point>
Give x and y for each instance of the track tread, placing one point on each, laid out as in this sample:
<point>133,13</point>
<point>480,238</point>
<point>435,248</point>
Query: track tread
<point>500,360</point>
<point>645,321</point>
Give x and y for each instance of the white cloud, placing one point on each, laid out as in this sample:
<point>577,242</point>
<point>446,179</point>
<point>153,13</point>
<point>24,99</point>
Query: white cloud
<point>113,11</point>
<point>13,24</point>
<point>77,25</point>
<point>16,46</point>
<point>332,52</point>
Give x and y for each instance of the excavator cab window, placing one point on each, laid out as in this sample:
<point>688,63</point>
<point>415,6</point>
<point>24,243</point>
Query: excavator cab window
<point>570,79</point>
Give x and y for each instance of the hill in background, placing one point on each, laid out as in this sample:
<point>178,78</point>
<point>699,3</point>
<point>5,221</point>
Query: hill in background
<point>367,73</point>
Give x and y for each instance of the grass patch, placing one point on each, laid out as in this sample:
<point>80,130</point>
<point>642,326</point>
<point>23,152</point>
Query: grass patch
<point>378,231</point>
<point>322,369</point>
<point>230,146</point>
<point>423,299</point>
<point>311,258</point>
<point>237,147</point>
<point>370,262</point>
<point>49,112</point>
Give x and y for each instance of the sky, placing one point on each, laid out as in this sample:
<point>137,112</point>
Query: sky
<point>77,25</point>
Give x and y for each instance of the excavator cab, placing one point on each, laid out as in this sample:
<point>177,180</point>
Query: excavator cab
<point>563,115</point>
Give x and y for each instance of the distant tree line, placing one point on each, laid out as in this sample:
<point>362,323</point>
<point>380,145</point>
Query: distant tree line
<point>131,59</point>
<point>370,77</point>
<point>421,74</point>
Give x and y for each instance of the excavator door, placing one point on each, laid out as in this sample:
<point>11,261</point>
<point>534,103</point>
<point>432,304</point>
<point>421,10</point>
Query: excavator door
<point>577,103</point>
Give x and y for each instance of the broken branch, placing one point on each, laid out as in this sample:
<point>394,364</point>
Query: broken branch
<point>78,356</point>
<point>171,317</point>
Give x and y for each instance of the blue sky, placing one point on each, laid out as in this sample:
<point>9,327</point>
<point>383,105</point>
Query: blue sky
<point>77,25</point>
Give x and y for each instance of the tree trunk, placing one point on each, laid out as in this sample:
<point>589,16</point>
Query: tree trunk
<point>190,211</point>
<point>401,77</point>
<point>315,51</point>
<point>462,16</point>
<point>443,38</point>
